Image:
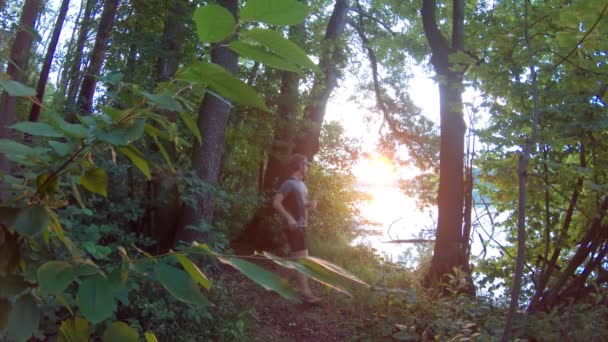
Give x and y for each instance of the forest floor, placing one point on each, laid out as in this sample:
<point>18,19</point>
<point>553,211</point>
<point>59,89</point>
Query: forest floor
<point>277,319</point>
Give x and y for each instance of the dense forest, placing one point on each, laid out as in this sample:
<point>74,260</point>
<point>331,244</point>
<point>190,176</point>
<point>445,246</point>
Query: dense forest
<point>141,142</point>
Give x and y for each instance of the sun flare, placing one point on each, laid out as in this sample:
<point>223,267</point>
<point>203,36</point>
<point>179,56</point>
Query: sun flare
<point>376,170</point>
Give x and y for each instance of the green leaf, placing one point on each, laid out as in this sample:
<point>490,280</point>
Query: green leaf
<point>281,46</point>
<point>32,220</point>
<point>95,299</point>
<point>14,88</point>
<point>191,124</point>
<point>259,54</point>
<point>163,101</point>
<point>120,331</point>
<point>69,129</point>
<point>62,149</point>
<point>24,318</point>
<point>74,330</point>
<point>13,148</point>
<point>95,180</point>
<point>222,81</point>
<point>150,337</point>
<point>137,158</point>
<point>179,284</point>
<point>194,271</point>
<point>275,12</point>
<point>266,279</point>
<point>123,135</point>
<point>164,153</point>
<point>46,186</point>
<point>318,264</point>
<point>214,23</point>
<point>37,128</point>
<point>54,276</point>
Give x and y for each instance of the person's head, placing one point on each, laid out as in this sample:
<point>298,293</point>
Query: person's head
<point>297,163</point>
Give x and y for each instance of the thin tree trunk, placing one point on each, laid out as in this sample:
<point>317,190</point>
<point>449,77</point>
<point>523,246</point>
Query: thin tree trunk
<point>48,60</point>
<point>523,182</point>
<point>450,244</point>
<point>206,157</point>
<point>74,68</point>
<point>62,80</point>
<point>87,88</point>
<point>307,141</point>
<point>19,55</point>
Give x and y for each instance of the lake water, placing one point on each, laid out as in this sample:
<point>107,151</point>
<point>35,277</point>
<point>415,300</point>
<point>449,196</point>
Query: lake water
<point>397,217</point>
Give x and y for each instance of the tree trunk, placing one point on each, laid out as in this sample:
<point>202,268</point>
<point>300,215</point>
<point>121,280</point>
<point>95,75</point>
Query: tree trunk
<point>307,141</point>
<point>206,157</point>
<point>62,82</point>
<point>450,244</point>
<point>172,39</point>
<point>73,71</point>
<point>48,60</point>
<point>164,210</point>
<point>19,55</point>
<point>87,89</point>
<point>284,131</point>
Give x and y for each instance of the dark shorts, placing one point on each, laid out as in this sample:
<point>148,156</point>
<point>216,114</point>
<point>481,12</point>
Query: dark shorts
<point>296,239</point>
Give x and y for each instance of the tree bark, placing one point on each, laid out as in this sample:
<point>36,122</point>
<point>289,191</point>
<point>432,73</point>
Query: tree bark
<point>19,55</point>
<point>451,244</point>
<point>62,82</point>
<point>76,60</point>
<point>284,131</point>
<point>48,60</point>
<point>172,40</point>
<point>522,171</point>
<point>87,89</point>
<point>307,141</point>
<point>206,157</point>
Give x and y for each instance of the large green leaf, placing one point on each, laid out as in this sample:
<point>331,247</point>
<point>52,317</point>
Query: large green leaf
<point>95,299</point>
<point>260,54</point>
<point>14,88</point>
<point>123,135</point>
<point>120,331</point>
<point>150,337</point>
<point>179,284</point>
<point>24,318</point>
<point>213,23</point>
<point>191,124</point>
<point>281,46</point>
<point>318,264</point>
<point>62,149</point>
<point>266,279</point>
<point>138,159</point>
<point>69,129</point>
<point>32,220</point>
<point>222,81</point>
<point>275,12</point>
<point>194,271</point>
<point>55,276</point>
<point>95,180</point>
<point>13,148</point>
<point>74,330</point>
<point>316,272</point>
<point>37,128</point>
<point>163,101</point>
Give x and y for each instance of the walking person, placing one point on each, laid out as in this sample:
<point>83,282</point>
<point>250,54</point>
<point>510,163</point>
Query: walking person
<point>291,201</point>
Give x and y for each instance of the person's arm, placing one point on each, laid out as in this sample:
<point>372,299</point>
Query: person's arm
<point>277,203</point>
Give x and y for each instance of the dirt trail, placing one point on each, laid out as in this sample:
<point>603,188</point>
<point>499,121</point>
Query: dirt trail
<point>277,319</point>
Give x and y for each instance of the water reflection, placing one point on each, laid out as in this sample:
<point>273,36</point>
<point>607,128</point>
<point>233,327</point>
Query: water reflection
<point>397,217</point>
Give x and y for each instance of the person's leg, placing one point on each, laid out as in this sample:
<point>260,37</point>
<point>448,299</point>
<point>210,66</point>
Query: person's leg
<point>301,278</point>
